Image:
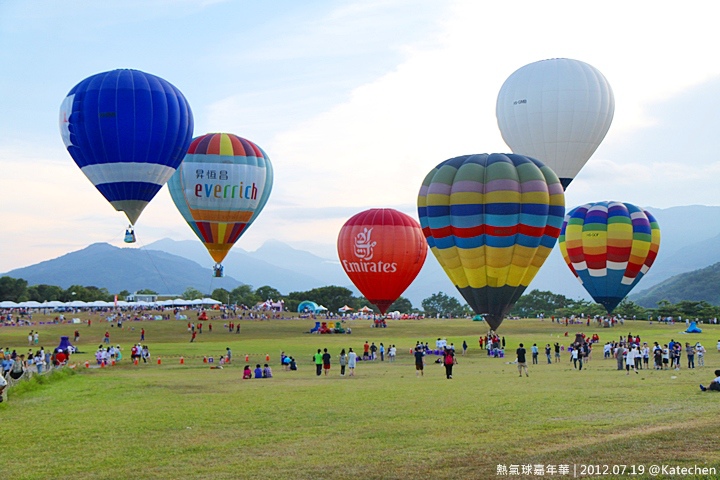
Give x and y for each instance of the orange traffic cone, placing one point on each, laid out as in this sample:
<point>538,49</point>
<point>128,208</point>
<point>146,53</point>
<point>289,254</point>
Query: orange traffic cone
<point>159,361</point>
<point>136,361</point>
<point>204,359</point>
<point>87,364</point>
<point>247,357</point>
<point>102,364</point>
<point>112,362</point>
<point>267,357</point>
<point>182,361</point>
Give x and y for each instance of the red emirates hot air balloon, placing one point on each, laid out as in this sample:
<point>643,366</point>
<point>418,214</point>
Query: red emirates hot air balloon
<point>382,251</point>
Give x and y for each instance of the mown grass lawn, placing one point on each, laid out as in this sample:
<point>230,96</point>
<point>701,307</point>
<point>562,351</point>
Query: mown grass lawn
<point>188,421</point>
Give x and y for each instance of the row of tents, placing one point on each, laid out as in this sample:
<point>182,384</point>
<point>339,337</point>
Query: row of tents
<point>308,306</point>
<point>177,302</point>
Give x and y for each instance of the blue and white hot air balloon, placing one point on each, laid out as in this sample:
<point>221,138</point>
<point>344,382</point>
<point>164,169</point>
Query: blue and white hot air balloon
<point>128,131</point>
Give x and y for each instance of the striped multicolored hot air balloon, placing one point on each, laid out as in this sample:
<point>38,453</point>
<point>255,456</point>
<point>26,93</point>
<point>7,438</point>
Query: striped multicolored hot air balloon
<point>220,189</point>
<point>128,131</point>
<point>609,246</point>
<point>491,220</point>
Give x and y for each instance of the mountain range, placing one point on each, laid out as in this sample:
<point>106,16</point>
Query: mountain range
<point>690,241</point>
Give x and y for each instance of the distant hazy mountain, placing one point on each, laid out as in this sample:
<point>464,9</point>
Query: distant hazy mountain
<point>104,266</point>
<point>696,286</point>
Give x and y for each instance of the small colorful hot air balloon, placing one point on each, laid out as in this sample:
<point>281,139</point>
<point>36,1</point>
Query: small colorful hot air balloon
<point>491,220</point>
<point>557,111</point>
<point>128,131</point>
<point>220,189</point>
<point>382,251</point>
<point>609,246</point>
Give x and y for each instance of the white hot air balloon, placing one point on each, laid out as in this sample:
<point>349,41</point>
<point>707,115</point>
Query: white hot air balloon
<point>557,111</point>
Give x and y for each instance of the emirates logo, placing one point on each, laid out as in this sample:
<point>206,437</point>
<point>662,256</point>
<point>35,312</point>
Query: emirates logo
<point>364,245</point>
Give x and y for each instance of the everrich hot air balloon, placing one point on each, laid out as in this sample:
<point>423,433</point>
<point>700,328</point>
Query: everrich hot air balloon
<point>609,246</point>
<point>220,189</point>
<point>128,131</point>
<point>491,220</point>
<point>557,111</point>
<point>382,251</point>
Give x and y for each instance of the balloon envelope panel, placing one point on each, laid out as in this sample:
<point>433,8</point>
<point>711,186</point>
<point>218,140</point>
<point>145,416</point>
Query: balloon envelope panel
<point>128,131</point>
<point>557,111</point>
<point>220,189</point>
<point>609,246</point>
<point>382,250</point>
<point>491,220</point>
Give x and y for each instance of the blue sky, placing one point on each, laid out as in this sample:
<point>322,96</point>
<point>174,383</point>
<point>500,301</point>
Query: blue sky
<point>354,101</point>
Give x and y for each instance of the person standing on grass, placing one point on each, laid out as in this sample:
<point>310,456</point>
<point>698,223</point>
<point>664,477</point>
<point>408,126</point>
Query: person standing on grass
<point>547,353</point>
<point>448,361</point>
<point>192,338</point>
<point>142,335</point>
<point>366,351</point>
<point>632,353</point>
<point>522,362</point>
<point>352,360</point>
<point>690,352</point>
<point>535,352</point>
<point>419,362</point>
<point>392,351</point>
<point>700,354</point>
<point>557,352</point>
<point>464,347</point>
<point>382,352</point>
<point>326,361</point>
<point>318,358</point>
<point>343,362</point>
<point>575,355</point>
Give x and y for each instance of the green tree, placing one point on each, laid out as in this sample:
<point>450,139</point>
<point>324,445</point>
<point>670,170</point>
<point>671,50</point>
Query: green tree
<point>244,295</point>
<point>535,302</point>
<point>13,289</point>
<point>629,309</point>
<point>123,294</point>
<point>402,305</point>
<point>192,293</point>
<point>146,291</point>
<point>85,294</point>
<point>667,309</point>
<point>44,293</point>
<point>332,297</point>
<point>267,292</point>
<point>221,295</point>
<point>443,305</point>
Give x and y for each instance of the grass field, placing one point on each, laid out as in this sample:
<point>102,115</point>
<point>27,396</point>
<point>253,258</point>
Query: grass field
<point>188,421</point>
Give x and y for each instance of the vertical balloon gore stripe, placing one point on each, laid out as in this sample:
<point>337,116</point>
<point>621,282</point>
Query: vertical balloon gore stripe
<point>235,232</point>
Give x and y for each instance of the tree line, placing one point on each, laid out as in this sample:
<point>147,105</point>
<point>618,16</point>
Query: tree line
<point>531,304</point>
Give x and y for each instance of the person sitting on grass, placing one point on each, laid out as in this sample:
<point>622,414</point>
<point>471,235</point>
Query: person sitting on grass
<point>258,371</point>
<point>714,385</point>
<point>247,373</point>
<point>266,372</point>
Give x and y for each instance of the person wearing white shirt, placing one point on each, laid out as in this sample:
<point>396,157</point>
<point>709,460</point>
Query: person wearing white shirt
<point>700,351</point>
<point>630,359</point>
